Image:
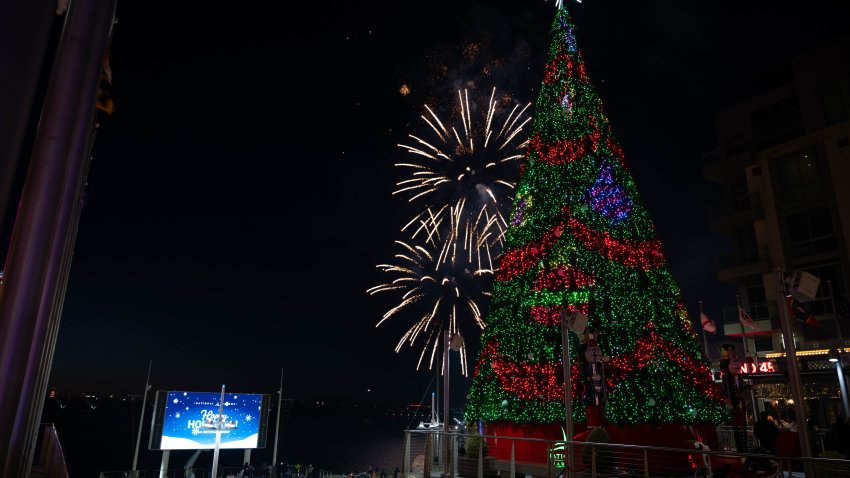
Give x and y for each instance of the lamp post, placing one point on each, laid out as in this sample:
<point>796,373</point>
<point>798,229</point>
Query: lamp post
<point>451,342</point>
<point>445,447</point>
<point>835,358</point>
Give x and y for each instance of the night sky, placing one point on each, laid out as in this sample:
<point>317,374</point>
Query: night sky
<point>240,197</point>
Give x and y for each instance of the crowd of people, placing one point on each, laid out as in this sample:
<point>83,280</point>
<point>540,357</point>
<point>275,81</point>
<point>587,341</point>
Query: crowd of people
<point>837,438</point>
<point>285,470</point>
<point>374,472</point>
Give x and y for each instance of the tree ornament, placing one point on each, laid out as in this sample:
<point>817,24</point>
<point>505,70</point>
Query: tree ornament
<point>585,244</point>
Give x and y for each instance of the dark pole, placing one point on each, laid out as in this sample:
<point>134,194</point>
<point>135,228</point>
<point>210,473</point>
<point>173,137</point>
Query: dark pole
<point>839,366</point>
<point>793,371</point>
<point>568,389</point>
<point>277,423</point>
<point>45,230</point>
<point>446,448</point>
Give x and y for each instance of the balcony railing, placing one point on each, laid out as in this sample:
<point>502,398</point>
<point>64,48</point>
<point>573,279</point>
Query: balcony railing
<point>743,257</point>
<point>744,205</point>
<point>727,151</point>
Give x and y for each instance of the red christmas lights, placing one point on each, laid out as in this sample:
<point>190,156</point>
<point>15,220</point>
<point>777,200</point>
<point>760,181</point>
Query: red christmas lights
<point>563,151</point>
<point>563,278</point>
<point>551,316</point>
<point>647,353</point>
<point>642,255</point>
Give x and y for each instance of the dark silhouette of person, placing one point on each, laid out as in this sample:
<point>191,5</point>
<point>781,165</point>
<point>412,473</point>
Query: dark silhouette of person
<point>766,432</point>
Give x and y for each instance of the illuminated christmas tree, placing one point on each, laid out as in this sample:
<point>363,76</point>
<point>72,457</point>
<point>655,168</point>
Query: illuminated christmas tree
<point>580,239</point>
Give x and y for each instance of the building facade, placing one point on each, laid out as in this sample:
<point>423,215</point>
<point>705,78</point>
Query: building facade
<point>782,167</point>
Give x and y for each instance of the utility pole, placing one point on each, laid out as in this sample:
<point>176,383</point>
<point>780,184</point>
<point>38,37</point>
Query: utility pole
<point>793,368</point>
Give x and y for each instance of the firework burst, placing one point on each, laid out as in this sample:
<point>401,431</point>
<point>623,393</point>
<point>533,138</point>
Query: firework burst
<point>462,181</point>
<point>470,167</point>
<point>439,282</point>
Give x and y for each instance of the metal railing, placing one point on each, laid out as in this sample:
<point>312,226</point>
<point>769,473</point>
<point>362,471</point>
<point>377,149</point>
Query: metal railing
<point>422,459</point>
<point>198,472</point>
<point>223,472</point>
<point>741,203</point>
<point>171,473</point>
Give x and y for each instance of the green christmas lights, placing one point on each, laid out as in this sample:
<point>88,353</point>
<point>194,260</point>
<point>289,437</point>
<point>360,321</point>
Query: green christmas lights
<point>580,238</point>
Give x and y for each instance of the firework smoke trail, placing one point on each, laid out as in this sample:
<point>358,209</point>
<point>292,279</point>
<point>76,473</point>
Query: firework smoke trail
<point>470,167</point>
<point>437,280</point>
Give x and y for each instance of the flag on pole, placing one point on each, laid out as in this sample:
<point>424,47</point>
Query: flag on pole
<point>104,100</point>
<point>746,319</point>
<point>801,312</point>
<point>707,324</point>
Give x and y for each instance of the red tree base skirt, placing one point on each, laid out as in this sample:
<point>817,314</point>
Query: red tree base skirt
<point>670,435</point>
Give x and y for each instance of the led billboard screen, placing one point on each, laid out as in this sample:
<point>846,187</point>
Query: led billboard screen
<point>190,420</point>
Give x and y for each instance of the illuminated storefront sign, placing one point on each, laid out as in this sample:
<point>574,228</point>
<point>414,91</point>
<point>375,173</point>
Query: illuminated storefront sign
<point>755,368</point>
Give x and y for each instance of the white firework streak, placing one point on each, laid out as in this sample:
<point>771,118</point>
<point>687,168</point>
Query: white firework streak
<point>463,179</point>
<point>442,167</point>
<point>434,265</point>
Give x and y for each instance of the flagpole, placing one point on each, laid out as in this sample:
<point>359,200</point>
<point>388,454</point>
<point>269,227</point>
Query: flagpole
<point>141,419</point>
<point>741,323</point>
<point>277,425</point>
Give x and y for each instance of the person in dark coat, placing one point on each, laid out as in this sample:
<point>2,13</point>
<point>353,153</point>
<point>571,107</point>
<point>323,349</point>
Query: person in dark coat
<point>766,432</point>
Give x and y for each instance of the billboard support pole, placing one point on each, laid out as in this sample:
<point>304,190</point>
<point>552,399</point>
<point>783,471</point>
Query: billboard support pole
<point>218,434</point>
<point>141,420</point>
<point>163,465</point>
<point>277,423</point>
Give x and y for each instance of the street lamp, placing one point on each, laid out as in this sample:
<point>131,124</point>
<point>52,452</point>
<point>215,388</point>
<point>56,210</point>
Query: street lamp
<point>451,342</point>
<point>835,358</point>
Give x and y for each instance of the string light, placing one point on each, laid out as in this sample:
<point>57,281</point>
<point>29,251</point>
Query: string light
<point>580,238</point>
